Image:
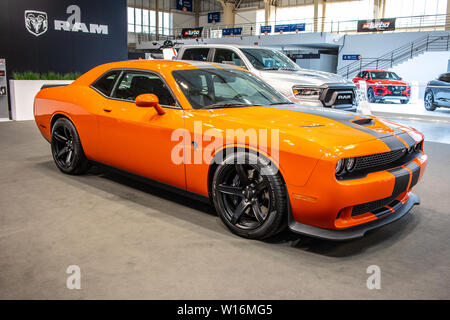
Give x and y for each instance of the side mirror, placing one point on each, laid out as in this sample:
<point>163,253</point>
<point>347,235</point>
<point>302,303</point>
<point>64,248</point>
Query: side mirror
<point>148,100</point>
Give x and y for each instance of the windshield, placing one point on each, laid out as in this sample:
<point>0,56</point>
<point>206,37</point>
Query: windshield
<point>266,59</point>
<point>212,88</point>
<point>383,75</point>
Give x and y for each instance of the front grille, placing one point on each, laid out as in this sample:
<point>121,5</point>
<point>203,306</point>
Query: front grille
<point>378,159</point>
<point>396,88</point>
<point>371,206</point>
<point>343,96</point>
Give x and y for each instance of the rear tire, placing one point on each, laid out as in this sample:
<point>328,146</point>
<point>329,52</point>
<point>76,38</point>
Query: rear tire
<point>66,148</point>
<point>250,196</point>
<point>429,101</point>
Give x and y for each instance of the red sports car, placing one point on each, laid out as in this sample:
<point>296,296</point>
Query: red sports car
<point>384,85</point>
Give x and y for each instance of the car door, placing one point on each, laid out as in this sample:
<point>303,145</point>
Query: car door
<point>442,90</point>
<point>138,139</point>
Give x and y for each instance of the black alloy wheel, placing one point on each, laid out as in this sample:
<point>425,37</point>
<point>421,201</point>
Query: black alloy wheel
<point>251,202</point>
<point>66,148</point>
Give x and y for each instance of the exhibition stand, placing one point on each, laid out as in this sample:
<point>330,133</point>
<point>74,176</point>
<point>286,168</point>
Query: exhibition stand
<point>22,96</point>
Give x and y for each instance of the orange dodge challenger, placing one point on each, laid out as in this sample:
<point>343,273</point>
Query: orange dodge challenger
<point>218,133</point>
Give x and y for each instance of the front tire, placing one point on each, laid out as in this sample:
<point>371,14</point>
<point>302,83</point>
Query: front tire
<point>66,148</point>
<point>404,101</point>
<point>429,101</point>
<point>371,95</point>
<point>250,196</point>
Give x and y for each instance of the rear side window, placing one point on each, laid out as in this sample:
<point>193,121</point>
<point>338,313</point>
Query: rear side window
<point>105,83</point>
<point>445,77</point>
<point>225,55</point>
<point>197,54</point>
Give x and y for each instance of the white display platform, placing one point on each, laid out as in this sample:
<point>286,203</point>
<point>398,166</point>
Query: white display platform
<point>22,96</point>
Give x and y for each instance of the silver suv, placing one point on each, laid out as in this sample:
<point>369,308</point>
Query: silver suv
<point>306,87</point>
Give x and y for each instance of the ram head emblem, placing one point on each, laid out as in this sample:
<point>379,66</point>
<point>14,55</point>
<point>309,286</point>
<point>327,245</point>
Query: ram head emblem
<point>36,22</point>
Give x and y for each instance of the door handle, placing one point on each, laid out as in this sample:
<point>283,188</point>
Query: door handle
<point>107,109</point>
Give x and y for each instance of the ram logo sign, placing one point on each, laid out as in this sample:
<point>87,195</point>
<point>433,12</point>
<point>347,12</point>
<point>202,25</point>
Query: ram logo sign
<point>74,24</point>
<point>344,96</point>
<point>36,22</point>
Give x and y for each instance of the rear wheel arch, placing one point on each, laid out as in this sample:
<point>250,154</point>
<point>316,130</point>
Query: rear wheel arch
<point>57,116</point>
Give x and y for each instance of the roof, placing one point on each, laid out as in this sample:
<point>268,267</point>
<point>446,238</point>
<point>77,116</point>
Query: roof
<point>377,70</point>
<point>213,45</point>
<point>163,65</point>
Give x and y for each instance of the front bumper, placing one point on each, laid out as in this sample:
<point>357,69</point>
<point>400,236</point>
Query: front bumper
<point>382,92</point>
<point>357,231</point>
<point>346,209</point>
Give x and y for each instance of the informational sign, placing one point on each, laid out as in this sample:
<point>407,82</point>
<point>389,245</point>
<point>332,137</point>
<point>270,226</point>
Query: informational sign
<point>184,5</point>
<point>191,32</point>
<point>376,25</point>
<point>62,36</point>
<point>231,32</point>
<point>290,27</point>
<point>351,57</point>
<point>4,101</point>
<point>213,17</point>
<point>282,28</point>
<point>266,29</point>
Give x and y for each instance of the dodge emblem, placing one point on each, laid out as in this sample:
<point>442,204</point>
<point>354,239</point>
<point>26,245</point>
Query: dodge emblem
<point>36,22</point>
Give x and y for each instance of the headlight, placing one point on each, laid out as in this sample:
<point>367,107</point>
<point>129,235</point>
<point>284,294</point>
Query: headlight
<point>350,164</point>
<point>340,167</point>
<point>307,93</point>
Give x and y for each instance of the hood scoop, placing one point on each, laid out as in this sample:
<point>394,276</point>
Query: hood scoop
<point>364,121</point>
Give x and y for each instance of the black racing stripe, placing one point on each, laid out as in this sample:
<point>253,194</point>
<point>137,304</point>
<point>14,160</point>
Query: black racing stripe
<point>401,180</point>
<point>393,142</point>
<point>345,118</point>
<point>407,138</point>
<point>402,134</point>
<point>415,168</point>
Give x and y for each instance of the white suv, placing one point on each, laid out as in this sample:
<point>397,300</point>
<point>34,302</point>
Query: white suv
<point>306,87</point>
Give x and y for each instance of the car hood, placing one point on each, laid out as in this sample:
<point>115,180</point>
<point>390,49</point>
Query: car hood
<point>303,77</point>
<point>331,129</point>
<point>390,82</point>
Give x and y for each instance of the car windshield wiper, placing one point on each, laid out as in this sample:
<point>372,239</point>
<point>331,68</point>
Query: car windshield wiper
<point>276,103</point>
<point>271,68</point>
<point>228,105</point>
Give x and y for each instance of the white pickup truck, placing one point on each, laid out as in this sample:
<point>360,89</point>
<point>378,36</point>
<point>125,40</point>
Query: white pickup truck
<point>306,87</point>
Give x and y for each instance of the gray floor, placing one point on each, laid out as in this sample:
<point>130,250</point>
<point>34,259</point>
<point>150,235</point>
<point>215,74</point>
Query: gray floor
<point>133,241</point>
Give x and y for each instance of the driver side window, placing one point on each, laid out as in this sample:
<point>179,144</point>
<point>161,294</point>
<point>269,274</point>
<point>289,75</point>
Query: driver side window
<point>135,83</point>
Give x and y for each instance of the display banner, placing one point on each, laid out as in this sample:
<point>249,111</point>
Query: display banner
<point>213,17</point>
<point>351,57</point>
<point>376,25</point>
<point>290,27</point>
<point>4,101</point>
<point>62,36</point>
<point>191,32</point>
<point>184,5</point>
<point>231,31</point>
<point>266,29</point>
